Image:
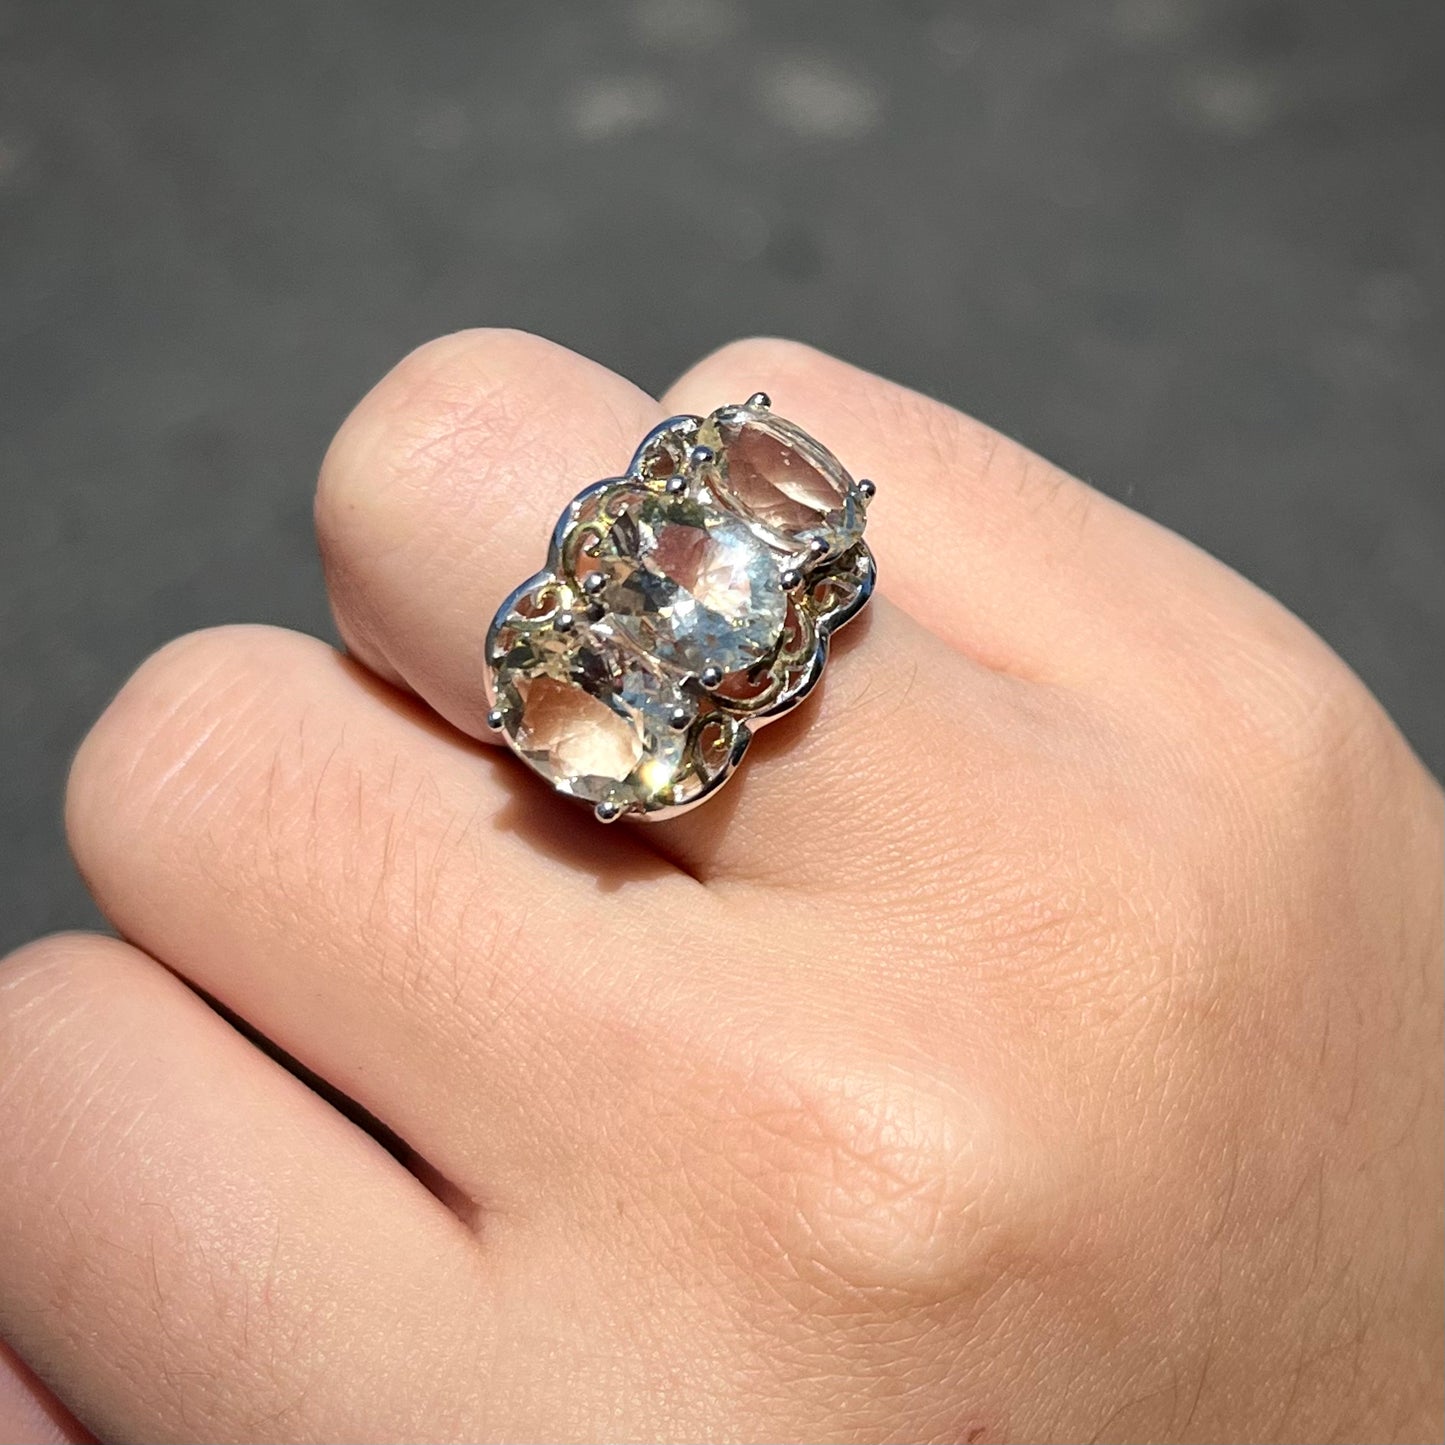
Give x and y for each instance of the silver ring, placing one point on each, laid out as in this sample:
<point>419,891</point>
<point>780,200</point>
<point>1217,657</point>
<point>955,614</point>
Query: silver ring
<point>683,605</point>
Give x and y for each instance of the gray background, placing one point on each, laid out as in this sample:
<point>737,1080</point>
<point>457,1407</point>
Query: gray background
<point>1192,249</point>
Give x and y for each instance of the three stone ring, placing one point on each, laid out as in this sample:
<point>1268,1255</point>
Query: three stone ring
<point>683,605</point>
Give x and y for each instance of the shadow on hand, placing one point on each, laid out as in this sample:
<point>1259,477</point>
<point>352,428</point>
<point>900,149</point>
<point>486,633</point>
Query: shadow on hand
<point>565,831</point>
<point>561,830</point>
<point>702,831</point>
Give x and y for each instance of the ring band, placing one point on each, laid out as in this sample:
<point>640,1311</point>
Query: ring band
<point>683,605</point>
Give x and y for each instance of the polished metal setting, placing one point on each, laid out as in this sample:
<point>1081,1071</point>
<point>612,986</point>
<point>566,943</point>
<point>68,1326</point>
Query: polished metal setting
<point>684,605</point>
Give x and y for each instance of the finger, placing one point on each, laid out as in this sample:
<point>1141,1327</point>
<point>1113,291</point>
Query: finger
<point>1000,553</point>
<point>355,880</point>
<point>438,498</point>
<point>29,1413</point>
<point>441,490</point>
<point>894,749</point>
<point>194,1245</point>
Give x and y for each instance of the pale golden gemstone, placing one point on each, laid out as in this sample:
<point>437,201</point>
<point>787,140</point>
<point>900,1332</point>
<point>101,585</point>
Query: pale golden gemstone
<point>691,585</point>
<point>789,486</point>
<point>579,734</point>
<point>591,717</point>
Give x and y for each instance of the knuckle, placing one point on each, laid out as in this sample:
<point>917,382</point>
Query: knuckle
<point>768,361</point>
<point>421,391</point>
<point>220,773</point>
<point>73,1110</point>
<point>447,415</point>
<point>48,988</point>
<point>422,403</point>
<point>164,735</point>
<point>1298,720</point>
<point>55,965</point>
<point>866,1180</point>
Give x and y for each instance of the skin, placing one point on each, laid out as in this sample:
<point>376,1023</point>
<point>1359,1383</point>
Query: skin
<point>1039,1040</point>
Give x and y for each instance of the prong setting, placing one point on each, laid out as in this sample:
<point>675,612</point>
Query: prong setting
<point>868,487</point>
<point>691,689</point>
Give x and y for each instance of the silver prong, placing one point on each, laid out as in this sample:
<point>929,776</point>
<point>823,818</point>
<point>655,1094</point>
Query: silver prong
<point>563,622</point>
<point>676,484</point>
<point>496,720</point>
<point>680,719</point>
<point>868,487</point>
<point>593,583</point>
<point>699,456</point>
<point>711,676</point>
<point>790,577</point>
<point>760,400</point>
<point>818,547</point>
<point>594,612</point>
<point>608,811</point>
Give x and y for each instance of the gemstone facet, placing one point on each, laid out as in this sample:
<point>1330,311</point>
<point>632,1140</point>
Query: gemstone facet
<point>596,721</point>
<point>788,486</point>
<point>691,585</point>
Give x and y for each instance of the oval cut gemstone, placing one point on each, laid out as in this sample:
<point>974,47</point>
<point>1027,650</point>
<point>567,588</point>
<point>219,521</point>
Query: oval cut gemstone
<point>788,485</point>
<point>590,716</point>
<point>691,585</point>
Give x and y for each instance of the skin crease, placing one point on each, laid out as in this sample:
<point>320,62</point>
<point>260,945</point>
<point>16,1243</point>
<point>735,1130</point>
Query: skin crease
<point>1040,1039</point>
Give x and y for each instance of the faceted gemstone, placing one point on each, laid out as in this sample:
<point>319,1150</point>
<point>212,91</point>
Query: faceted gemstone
<point>691,585</point>
<point>788,485</point>
<point>590,716</point>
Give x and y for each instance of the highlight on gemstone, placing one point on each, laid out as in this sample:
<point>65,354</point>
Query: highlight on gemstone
<point>592,718</point>
<point>690,585</point>
<point>789,486</point>
<point>684,604</point>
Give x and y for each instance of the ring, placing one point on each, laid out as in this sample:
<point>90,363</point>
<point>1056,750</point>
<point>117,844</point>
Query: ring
<point>683,605</point>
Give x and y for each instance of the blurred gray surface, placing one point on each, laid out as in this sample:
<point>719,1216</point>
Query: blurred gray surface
<point>1192,249</point>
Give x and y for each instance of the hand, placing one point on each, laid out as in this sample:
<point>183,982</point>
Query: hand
<point>1040,1039</point>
